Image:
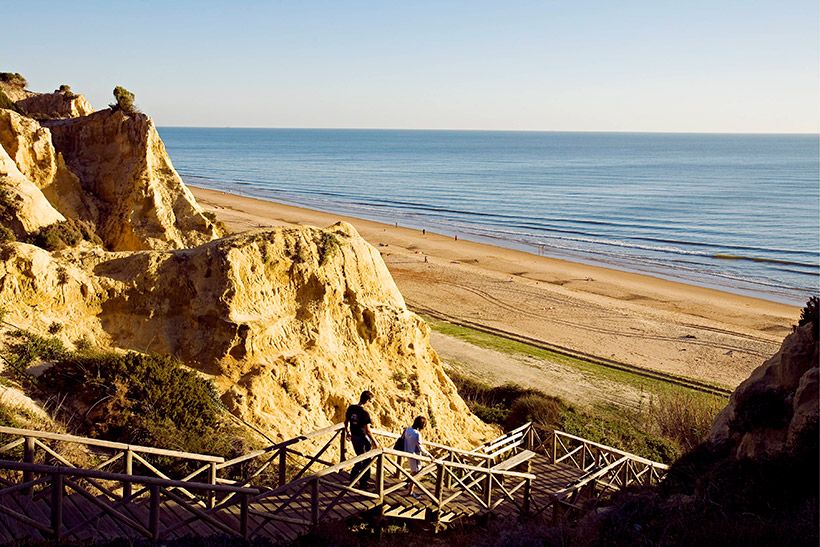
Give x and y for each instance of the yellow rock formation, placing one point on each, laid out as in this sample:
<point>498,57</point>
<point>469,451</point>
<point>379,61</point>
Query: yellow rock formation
<point>290,323</point>
<point>121,161</point>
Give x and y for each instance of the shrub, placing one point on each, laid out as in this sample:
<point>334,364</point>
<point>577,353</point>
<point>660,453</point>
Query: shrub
<point>55,327</point>
<point>539,409</point>
<point>26,347</point>
<point>67,233</point>
<point>6,234</point>
<point>221,229</point>
<point>686,419</point>
<point>761,407</point>
<point>7,103</point>
<point>330,245</point>
<point>13,78</point>
<point>125,101</point>
<point>811,314</point>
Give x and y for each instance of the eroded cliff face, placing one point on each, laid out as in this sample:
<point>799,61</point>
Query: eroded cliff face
<point>121,162</point>
<point>291,323</point>
<point>23,207</point>
<point>775,410</point>
<point>50,106</point>
<point>29,145</point>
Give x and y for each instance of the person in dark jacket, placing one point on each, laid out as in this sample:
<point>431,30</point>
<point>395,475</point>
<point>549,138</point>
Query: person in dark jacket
<point>357,431</point>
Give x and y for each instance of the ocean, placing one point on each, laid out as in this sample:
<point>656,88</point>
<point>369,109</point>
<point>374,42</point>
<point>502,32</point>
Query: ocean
<point>735,212</point>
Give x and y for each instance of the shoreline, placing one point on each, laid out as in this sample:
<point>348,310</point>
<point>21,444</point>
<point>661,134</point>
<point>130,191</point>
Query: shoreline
<point>669,326</point>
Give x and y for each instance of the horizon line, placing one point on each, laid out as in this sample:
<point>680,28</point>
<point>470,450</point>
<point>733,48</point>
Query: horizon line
<point>631,131</point>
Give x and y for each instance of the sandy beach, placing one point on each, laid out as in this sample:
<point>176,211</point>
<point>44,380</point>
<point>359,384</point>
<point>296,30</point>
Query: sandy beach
<point>672,327</point>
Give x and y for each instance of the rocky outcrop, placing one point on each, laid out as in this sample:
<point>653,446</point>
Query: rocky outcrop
<point>39,289</point>
<point>30,146</point>
<point>776,408</point>
<point>289,322</point>
<point>122,164</point>
<point>23,207</point>
<point>57,105</point>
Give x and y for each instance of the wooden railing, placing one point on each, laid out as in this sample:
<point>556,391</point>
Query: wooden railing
<point>304,480</point>
<point>136,515</point>
<point>41,447</point>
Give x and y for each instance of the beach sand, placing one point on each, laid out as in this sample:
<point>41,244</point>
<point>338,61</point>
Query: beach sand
<point>696,332</point>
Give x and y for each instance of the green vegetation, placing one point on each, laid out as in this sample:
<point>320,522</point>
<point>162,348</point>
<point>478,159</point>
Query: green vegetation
<point>7,103</point>
<point>676,420</point>
<point>124,101</point>
<point>641,432</point>
<point>505,345</point>
<point>127,397</point>
<point>13,78</point>
<point>68,233</point>
<point>330,244</point>
<point>6,234</point>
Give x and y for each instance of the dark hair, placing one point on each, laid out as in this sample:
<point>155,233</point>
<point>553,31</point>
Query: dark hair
<point>420,422</point>
<point>366,396</point>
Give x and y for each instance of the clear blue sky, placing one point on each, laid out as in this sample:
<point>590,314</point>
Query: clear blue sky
<point>682,65</point>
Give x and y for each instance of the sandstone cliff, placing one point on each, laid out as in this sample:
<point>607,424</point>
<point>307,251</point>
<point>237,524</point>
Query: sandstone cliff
<point>775,410</point>
<point>29,145</point>
<point>49,106</point>
<point>122,164</point>
<point>291,324</point>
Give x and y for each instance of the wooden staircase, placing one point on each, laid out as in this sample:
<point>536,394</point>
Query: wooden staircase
<point>64,487</point>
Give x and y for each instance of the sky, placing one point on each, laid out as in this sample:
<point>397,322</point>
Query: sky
<point>679,66</point>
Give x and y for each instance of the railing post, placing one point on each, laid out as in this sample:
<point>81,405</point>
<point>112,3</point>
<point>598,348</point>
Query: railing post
<point>488,494</point>
<point>380,476</point>
<point>243,515</point>
<point>153,512</point>
<point>283,461</point>
<point>440,483</point>
<point>56,505</point>
<point>449,484</point>
<point>314,501</point>
<point>525,509</point>
<point>28,457</point>
<point>211,480</point>
<point>554,446</point>
<point>584,456</point>
<point>342,446</point>
<point>128,470</point>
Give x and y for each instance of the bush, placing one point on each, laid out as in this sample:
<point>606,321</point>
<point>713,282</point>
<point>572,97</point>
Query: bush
<point>6,234</point>
<point>539,409</point>
<point>26,347</point>
<point>125,101</point>
<point>67,233</point>
<point>7,103</point>
<point>13,78</point>
<point>811,314</point>
<point>135,387</point>
<point>687,419</point>
<point>761,407</point>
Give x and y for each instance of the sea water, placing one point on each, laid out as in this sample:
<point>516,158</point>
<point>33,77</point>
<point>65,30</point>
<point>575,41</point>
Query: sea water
<point>735,212</point>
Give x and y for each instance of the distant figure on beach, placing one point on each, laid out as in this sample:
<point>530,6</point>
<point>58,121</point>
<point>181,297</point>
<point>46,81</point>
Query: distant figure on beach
<point>412,444</point>
<point>357,431</point>
<point>423,232</point>
<point>455,237</point>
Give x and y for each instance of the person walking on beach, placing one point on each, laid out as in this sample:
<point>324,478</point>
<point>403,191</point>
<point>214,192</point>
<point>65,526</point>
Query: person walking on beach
<point>412,444</point>
<point>357,431</point>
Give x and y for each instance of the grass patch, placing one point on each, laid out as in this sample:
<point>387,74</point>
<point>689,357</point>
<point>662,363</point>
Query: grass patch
<point>512,347</point>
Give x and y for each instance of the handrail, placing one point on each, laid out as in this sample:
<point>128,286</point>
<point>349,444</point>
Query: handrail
<point>430,444</point>
<point>121,477</point>
<point>633,457</point>
<point>64,437</point>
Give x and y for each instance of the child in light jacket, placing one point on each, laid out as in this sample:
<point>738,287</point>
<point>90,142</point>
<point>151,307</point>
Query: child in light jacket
<point>412,444</point>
